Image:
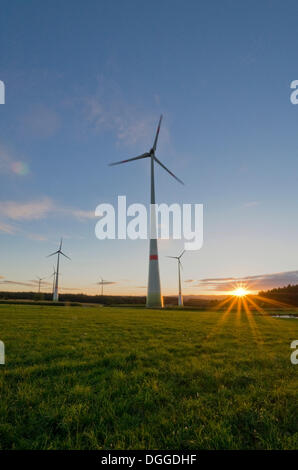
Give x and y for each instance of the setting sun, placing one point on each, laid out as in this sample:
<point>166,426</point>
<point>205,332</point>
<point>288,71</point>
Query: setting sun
<point>240,292</point>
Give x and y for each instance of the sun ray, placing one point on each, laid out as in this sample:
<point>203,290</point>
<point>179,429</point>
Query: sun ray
<point>256,306</point>
<point>262,312</point>
<point>217,327</point>
<point>253,326</point>
<point>238,314</point>
<point>222,303</point>
<point>238,319</point>
<point>241,300</point>
<point>232,304</point>
<point>273,302</point>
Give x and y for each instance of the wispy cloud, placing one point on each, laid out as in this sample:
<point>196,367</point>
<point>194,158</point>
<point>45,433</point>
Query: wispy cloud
<point>36,237</point>
<point>80,289</point>
<point>26,210</point>
<point>107,109</point>
<point>20,212</point>
<point>17,283</point>
<point>40,122</point>
<point>7,228</point>
<point>78,213</point>
<point>251,204</point>
<point>39,209</point>
<point>10,164</point>
<point>130,126</point>
<point>106,283</point>
<point>12,230</point>
<point>43,283</point>
<point>34,284</point>
<point>256,282</point>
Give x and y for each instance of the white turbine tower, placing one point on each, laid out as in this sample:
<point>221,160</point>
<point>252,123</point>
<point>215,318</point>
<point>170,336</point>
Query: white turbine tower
<point>153,292</point>
<point>53,275</point>
<point>178,258</point>
<point>58,252</point>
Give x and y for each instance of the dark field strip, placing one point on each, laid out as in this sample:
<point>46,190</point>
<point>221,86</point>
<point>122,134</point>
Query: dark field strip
<point>121,378</point>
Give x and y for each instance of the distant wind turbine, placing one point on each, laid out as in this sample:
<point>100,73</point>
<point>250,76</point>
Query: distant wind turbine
<point>58,252</point>
<point>153,292</point>
<point>178,258</point>
<point>102,283</point>
<point>40,279</point>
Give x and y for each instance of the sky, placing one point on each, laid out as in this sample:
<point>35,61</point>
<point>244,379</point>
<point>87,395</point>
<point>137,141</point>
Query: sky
<point>85,85</point>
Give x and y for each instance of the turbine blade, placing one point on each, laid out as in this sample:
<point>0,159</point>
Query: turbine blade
<point>52,254</point>
<point>60,245</point>
<point>174,257</point>
<point>181,254</point>
<point>144,155</point>
<point>157,133</point>
<point>165,168</point>
<point>64,255</point>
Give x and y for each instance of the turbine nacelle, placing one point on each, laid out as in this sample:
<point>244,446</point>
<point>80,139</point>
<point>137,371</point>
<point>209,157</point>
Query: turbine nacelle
<point>150,154</point>
<point>59,251</point>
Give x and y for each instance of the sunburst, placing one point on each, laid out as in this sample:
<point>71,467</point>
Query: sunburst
<point>240,292</point>
<point>242,300</point>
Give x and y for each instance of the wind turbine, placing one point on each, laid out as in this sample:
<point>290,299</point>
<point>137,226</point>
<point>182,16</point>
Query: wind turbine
<point>178,258</point>
<point>58,252</point>
<point>40,279</point>
<point>53,275</point>
<point>104,282</point>
<point>153,292</point>
<point>101,283</point>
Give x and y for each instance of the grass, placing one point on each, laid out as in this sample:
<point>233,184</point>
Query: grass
<point>113,378</point>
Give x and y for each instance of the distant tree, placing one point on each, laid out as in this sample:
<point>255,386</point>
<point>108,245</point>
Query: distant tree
<point>287,294</point>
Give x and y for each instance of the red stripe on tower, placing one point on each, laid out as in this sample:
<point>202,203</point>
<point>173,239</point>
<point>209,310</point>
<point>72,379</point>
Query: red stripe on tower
<point>153,257</point>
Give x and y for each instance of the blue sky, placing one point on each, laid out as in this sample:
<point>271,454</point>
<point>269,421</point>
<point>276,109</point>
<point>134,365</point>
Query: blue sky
<point>85,85</point>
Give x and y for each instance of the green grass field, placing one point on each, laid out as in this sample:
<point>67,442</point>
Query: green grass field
<point>130,378</point>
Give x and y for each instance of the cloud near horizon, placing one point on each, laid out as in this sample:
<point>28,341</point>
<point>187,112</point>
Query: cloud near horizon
<point>257,282</point>
<point>18,283</point>
<point>106,283</point>
<point>34,284</point>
